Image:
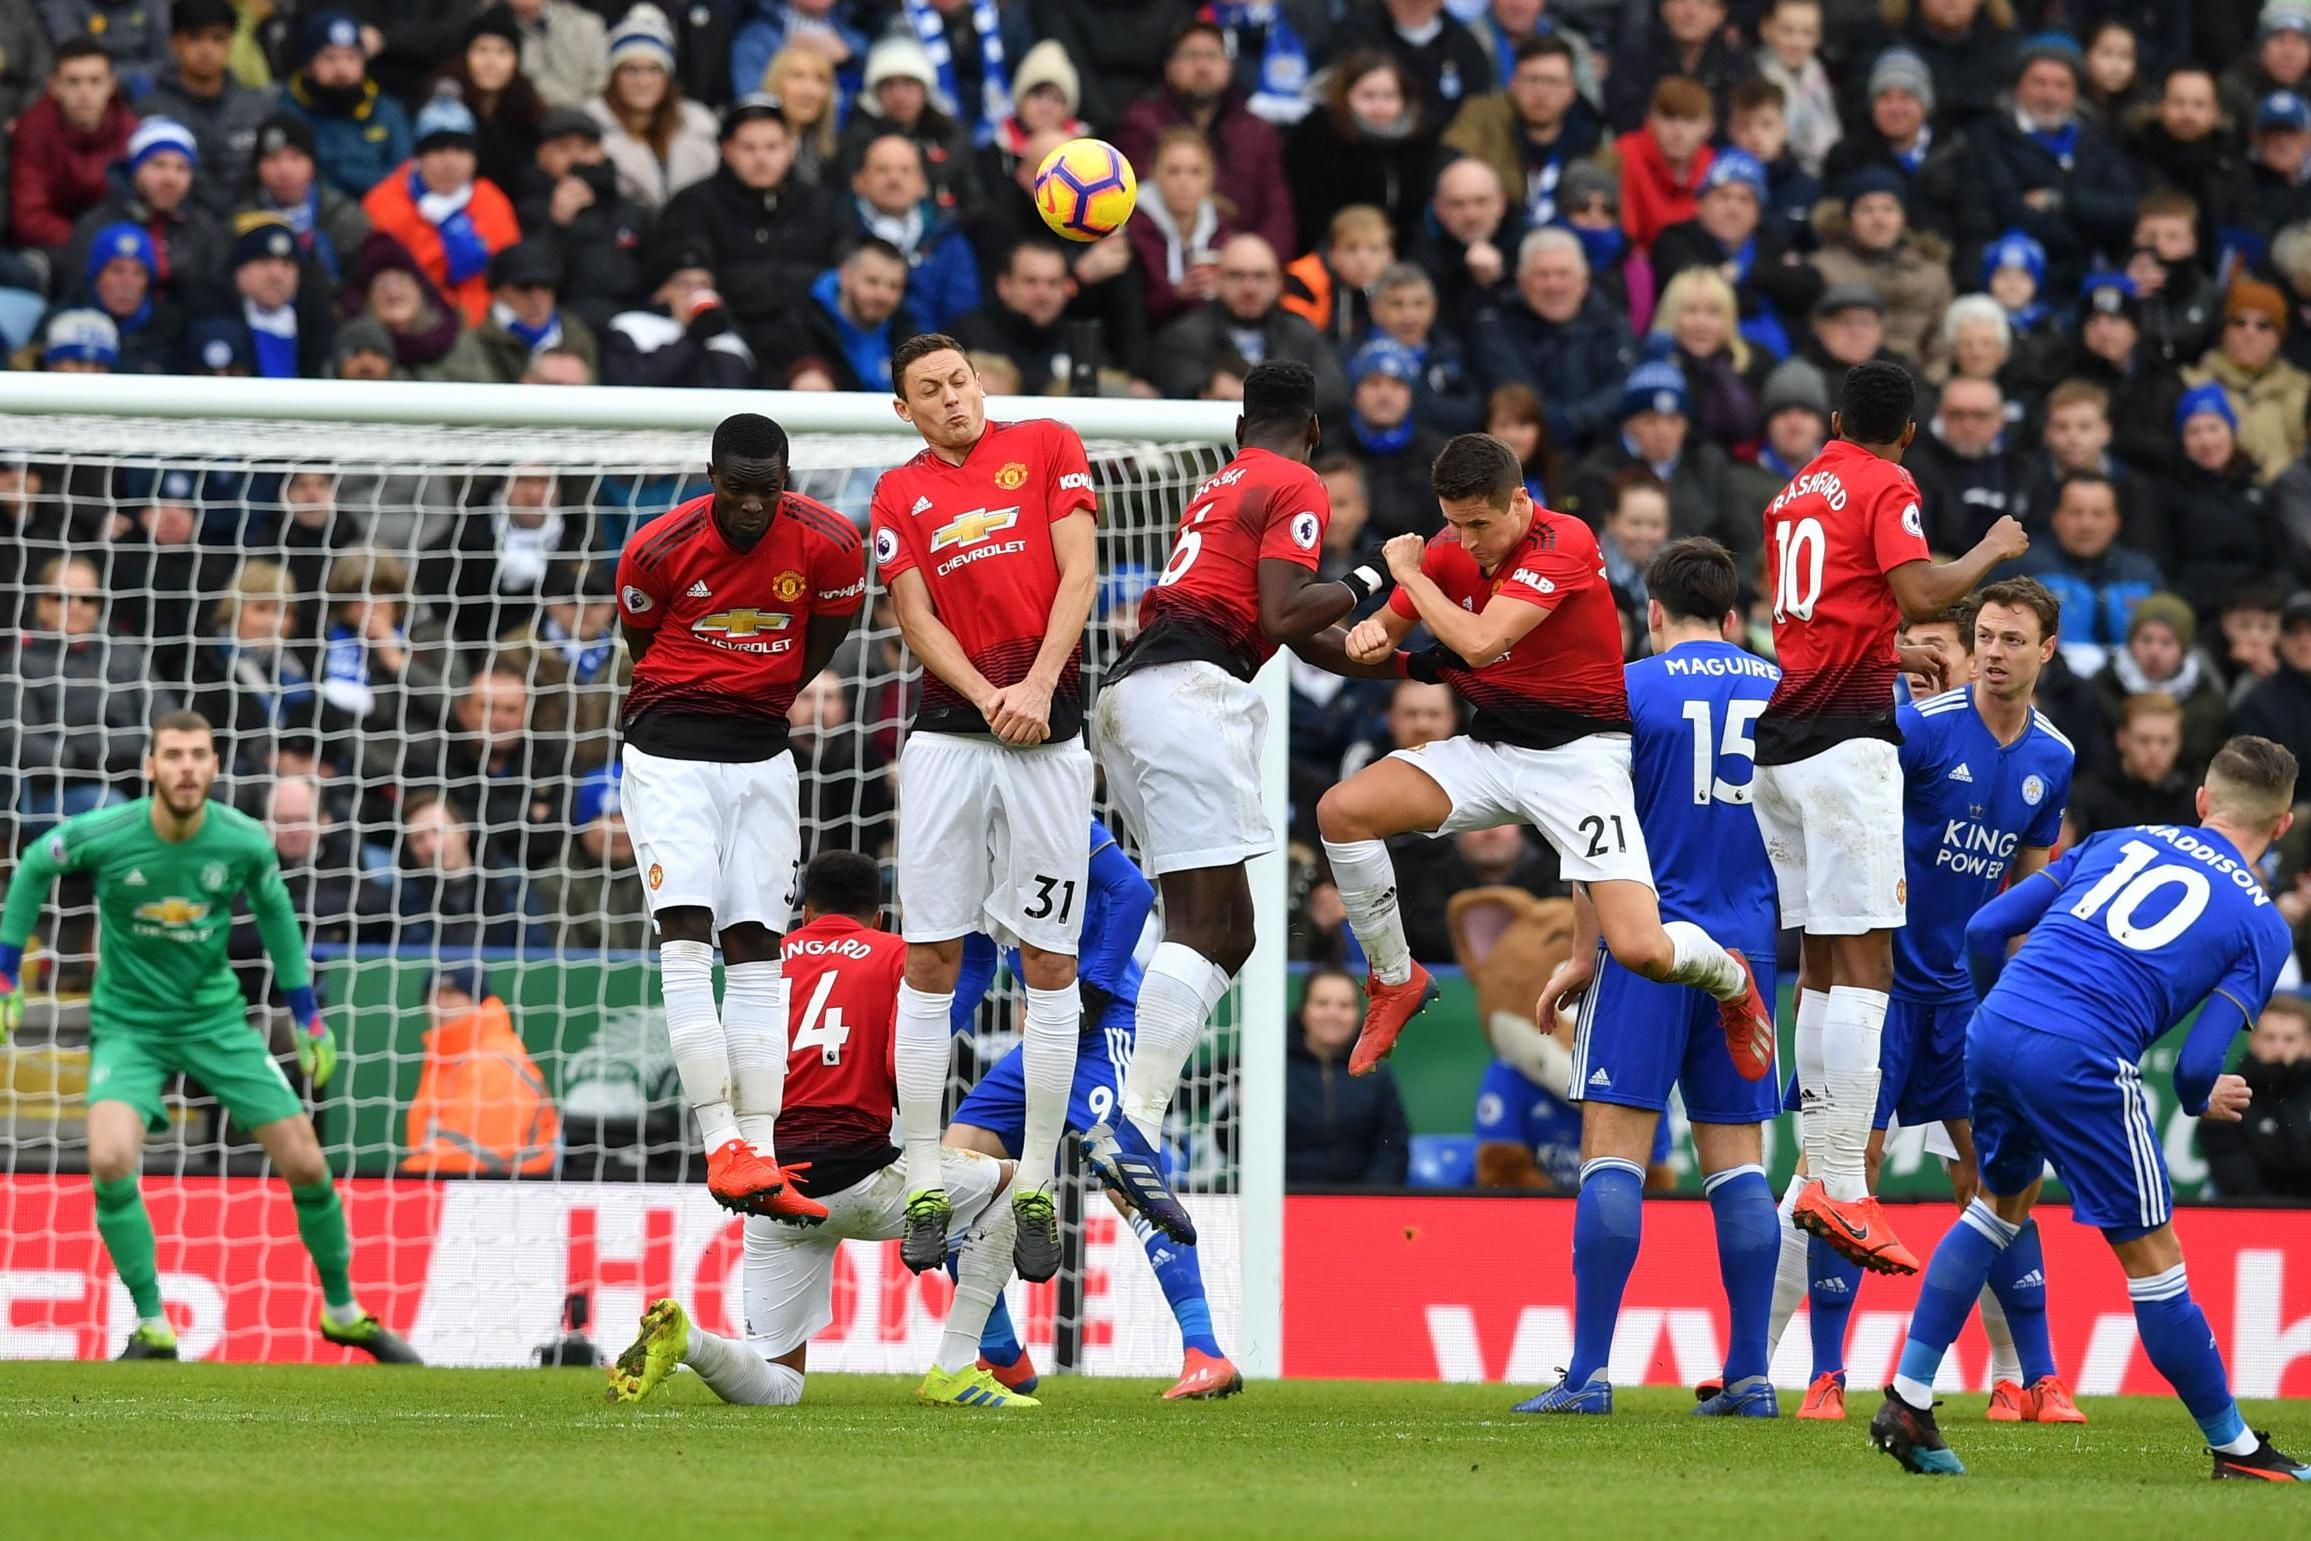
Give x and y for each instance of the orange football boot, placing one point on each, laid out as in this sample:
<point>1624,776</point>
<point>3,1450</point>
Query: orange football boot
<point>741,1180</point>
<point>2006,1403</point>
<point>1387,1008</point>
<point>1204,1379</point>
<point>1855,1229</point>
<point>1748,1024</point>
<point>1825,1399</point>
<point>2048,1401</point>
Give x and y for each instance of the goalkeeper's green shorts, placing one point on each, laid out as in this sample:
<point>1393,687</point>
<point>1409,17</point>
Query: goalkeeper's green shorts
<point>227,1056</point>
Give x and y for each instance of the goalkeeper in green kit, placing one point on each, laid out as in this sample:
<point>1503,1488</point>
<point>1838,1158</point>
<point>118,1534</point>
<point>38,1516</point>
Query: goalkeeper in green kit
<point>166,870</point>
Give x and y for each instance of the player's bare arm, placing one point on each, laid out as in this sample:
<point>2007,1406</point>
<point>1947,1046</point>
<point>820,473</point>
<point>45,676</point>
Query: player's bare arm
<point>1021,713</point>
<point>1479,638</point>
<point>1374,640</point>
<point>820,640</point>
<point>1295,603</point>
<point>636,638</point>
<point>1329,650</point>
<point>1572,977</point>
<point>1926,589</point>
<point>928,638</point>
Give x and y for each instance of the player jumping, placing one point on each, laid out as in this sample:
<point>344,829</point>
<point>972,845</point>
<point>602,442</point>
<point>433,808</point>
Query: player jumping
<point>2127,933</point>
<point>1515,596</point>
<point>167,868</point>
<point>1847,547</point>
<point>1985,782</point>
<point>1115,910</point>
<point>986,543</point>
<point>729,602</point>
<point>1693,704</point>
<point>835,1129</point>
<point>1178,727</point>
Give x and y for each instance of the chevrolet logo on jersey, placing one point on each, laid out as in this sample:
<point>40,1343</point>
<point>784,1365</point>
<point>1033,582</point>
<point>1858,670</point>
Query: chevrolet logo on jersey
<point>971,528</point>
<point>741,623</point>
<point>173,912</point>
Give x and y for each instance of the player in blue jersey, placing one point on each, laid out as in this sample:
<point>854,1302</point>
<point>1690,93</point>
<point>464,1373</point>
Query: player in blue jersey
<point>1693,705</point>
<point>1985,781</point>
<point>992,1118</point>
<point>2127,933</point>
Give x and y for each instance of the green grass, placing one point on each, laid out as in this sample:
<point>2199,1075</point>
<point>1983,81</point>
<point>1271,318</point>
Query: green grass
<point>100,1451</point>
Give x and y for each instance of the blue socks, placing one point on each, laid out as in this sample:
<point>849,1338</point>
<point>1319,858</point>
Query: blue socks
<point>1182,1280</point>
<point>2018,1279</point>
<point>1831,1285</point>
<point>2176,1337</point>
<point>1748,1249</point>
<point>1953,1282</point>
<point>1607,1222</point>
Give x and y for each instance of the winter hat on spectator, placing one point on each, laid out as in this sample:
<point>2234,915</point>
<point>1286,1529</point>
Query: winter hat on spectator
<point>81,336</point>
<point>2168,610</point>
<point>1796,384</point>
<point>2251,296</point>
<point>1655,386</point>
<point>1853,296</point>
<point>1873,179</point>
<point>525,262</point>
<point>2283,16</point>
<point>1047,64</point>
<point>2284,111</point>
<point>896,58</point>
<point>467,978</point>
<point>2205,398</point>
<point>2108,292</point>
<point>2295,612</point>
<point>285,131</point>
<point>362,334</point>
<point>1898,69</point>
<point>1585,180</point>
<point>1734,166</point>
<point>671,257</point>
<point>155,136</point>
<point>445,123</point>
<point>1384,356</point>
<point>2060,47</point>
<point>498,22</point>
<point>643,36</point>
<point>218,344</point>
<point>569,123</point>
<point>120,239</point>
<point>327,29</point>
<point>755,105</point>
<point>265,238</point>
<point>597,795</point>
<point>2015,249</point>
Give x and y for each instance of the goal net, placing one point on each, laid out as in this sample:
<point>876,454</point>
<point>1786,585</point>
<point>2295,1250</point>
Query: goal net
<point>404,633</point>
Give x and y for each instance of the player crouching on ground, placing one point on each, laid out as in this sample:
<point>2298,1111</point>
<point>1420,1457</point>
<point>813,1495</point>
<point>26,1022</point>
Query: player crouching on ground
<point>835,1126</point>
<point>1528,634</point>
<point>2126,934</point>
<point>166,869</point>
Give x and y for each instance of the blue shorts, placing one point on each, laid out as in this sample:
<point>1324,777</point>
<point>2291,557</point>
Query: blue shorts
<point>1519,1111</point>
<point>2040,1098</point>
<point>1922,1063</point>
<point>1637,1039</point>
<point>998,1104</point>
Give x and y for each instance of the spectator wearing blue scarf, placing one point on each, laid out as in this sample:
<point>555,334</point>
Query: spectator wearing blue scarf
<point>892,198</point>
<point>525,319</point>
<point>2053,176</point>
<point>1388,441</point>
<point>291,328</point>
<point>855,317</point>
<point>285,179</point>
<point>118,278</point>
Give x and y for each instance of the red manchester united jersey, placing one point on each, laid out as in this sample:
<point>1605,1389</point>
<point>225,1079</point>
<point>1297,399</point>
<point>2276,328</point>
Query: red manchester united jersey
<point>1832,535</point>
<point>728,654</point>
<point>980,534</point>
<point>842,996</point>
<point>1262,507</point>
<point>1563,680</point>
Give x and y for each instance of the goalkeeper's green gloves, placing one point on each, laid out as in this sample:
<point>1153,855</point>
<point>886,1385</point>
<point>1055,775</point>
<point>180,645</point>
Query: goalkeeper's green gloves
<point>11,1006</point>
<point>316,1045</point>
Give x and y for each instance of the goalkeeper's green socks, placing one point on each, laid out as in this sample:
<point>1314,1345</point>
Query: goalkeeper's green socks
<point>127,1231</point>
<point>321,1222</point>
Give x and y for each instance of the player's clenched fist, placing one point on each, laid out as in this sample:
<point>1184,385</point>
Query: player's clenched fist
<point>2007,538</point>
<point>1403,554</point>
<point>1368,641</point>
<point>2227,1103</point>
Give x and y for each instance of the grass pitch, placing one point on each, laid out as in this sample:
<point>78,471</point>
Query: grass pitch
<point>181,1451</point>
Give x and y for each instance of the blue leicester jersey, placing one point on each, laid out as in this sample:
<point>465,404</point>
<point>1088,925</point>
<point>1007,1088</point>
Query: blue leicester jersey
<point>1969,803</point>
<point>1692,757</point>
<point>2149,922</point>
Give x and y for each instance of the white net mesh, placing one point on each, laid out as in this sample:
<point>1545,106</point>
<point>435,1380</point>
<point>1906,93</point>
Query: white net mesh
<point>404,636</point>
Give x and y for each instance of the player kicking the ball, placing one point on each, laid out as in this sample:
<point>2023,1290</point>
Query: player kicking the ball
<point>836,1132</point>
<point>2127,933</point>
<point>1693,704</point>
<point>1178,727</point>
<point>729,602</point>
<point>986,543</point>
<point>1527,633</point>
<point>1847,547</point>
<point>167,868</point>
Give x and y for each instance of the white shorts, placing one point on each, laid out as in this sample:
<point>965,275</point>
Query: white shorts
<point>788,1280</point>
<point>993,839</point>
<point>1180,745</point>
<point>1578,795</point>
<point>721,836</point>
<point>1833,830</point>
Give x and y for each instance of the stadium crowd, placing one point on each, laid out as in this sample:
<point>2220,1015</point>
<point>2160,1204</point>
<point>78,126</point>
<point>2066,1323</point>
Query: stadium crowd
<point>1640,241</point>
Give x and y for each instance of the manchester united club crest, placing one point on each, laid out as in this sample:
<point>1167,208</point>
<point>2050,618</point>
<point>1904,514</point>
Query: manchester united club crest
<point>213,876</point>
<point>787,586</point>
<point>657,876</point>
<point>1011,475</point>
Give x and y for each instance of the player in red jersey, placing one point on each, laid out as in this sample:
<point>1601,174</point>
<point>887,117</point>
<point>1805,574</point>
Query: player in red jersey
<point>840,1087</point>
<point>985,541</point>
<point>1178,726</point>
<point>728,604</point>
<point>1528,634</point>
<point>1848,551</point>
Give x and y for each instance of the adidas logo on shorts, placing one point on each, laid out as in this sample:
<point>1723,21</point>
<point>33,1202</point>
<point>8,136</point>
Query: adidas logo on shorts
<point>698,590</point>
<point>2035,1279</point>
<point>1600,1078</point>
<point>1962,774</point>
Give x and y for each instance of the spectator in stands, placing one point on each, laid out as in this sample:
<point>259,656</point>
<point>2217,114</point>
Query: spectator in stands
<point>1968,475</point>
<point>1773,287</point>
<point>1796,408</point>
<point>492,564</point>
<point>1344,544</point>
<point>486,74</point>
<point>157,569</point>
<point>2018,325</point>
<point>1664,160</point>
<point>2279,707</point>
<point>390,289</point>
<point>1557,337</point>
<point>1367,143</point>
<point>2110,354</point>
<point>448,218</point>
<point>1331,287</point>
<point>1514,416</point>
<point>2112,86</point>
<point>1384,437</point>
<point>405,40</point>
<point>295,520</point>
<point>253,676</point>
<point>2161,657</point>
<point>496,759</point>
<point>1177,237</point>
<point>1445,397</point>
<point>2281,174</point>
<point>198,90</point>
<point>1466,241</point>
<point>1025,324</point>
<point>189,245</point>
<point>2187,146</point>
<point>63,146</point>
<point>593,896</point>
<point>434,897</point>
<point>284,179</point>
<point>2146,786</point>
<point>1931,166</point>
<point>1417,714</point>
<point>801,80</point>
<point>1121,51</point>
<point>1791,31</point>
<point>1338,1131</point>
<point>2097,581</point>
<point>855,319</point>
<point>116,279</point>
<point>283,301</point>
<point>384,664</point>
<point>360,134</point>
<point>1698,323</point>
<point>899,100</point>
<point>558,365</point>
<point>2267,1154</point>
<point>765,236</point>
<point>1849,328</point>
<point>75,700</point>
<point>525,318</point>
<point>1968,47</point>
<point>2052,174</point>
<point>1439,867</point>
<point>568,197</point>
<point>133,34</point>
<point>2268,395</point>
<point>364,351</point>
<point>1636,526</point>
<point>2227,527</point>
<point>682,336</point>
<point>1442,57</point>
<point>846,782</point>
<point>565,48</point>
<point>769,27</point>
<point>318,861</point>
<point>1873,245</point>
<point>1755,126</point>
<point>1684,38</point>
<point>2077,439</point>
<point>1207,352</point>
<point>1196,93</point>
<point>2250,629</point>
<point>569,657</point>
<point>80,342</point>
<point>659,142</point>
<point>1529,133</point>
<point>1657,434</point>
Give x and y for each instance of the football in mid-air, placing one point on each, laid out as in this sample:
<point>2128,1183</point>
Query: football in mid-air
<point>1085,189</point>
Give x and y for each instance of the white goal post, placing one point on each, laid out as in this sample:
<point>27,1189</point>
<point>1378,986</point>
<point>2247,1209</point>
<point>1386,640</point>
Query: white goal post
<point>424,460</point>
